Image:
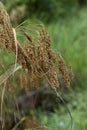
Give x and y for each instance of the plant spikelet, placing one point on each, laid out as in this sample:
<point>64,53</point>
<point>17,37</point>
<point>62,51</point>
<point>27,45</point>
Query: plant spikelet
<point>6,31</point>
<point>63,70</point>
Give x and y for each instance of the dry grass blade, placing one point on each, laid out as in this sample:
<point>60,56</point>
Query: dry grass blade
<point>8,73</point>
<point>16,126</point>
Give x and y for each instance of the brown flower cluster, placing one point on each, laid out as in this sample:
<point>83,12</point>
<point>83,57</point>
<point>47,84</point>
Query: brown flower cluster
<point>6,33</point>
<point>39,60</point>
<point>63,69</point>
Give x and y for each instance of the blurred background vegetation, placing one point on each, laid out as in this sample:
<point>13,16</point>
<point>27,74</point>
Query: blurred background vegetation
<point>66,21</point>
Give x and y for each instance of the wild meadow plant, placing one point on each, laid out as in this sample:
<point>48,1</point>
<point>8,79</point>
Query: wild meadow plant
<point>37,58</point>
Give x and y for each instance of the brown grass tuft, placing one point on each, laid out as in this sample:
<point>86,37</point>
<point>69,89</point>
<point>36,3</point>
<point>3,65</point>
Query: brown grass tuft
<point>39,61</point>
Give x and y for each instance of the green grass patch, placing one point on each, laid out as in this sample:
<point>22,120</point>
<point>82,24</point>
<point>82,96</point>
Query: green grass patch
<point>70,38</point>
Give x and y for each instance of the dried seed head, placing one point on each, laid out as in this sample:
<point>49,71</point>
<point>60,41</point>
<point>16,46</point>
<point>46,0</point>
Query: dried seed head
<point>63,70</point>
<point>6,31</point>
<point>52,77</point>
<point>40,60</point>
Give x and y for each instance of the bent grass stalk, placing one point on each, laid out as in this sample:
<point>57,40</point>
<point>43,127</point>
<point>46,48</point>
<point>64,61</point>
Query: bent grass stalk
<point>3,78</point>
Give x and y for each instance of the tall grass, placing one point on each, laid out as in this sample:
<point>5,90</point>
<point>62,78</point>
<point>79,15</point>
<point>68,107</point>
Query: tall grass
<point>39,62</point>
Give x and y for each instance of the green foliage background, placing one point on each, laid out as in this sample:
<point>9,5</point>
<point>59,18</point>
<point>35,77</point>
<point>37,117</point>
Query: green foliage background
<point>47,10</point>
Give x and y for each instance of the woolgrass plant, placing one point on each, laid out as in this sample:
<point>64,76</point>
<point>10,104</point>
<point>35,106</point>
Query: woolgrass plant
<point>36,58</point>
